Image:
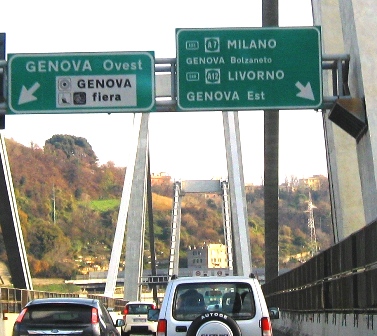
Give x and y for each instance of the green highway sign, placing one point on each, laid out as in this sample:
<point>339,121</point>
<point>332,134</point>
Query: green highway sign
<point>249,68</point>
<point>81,82</point>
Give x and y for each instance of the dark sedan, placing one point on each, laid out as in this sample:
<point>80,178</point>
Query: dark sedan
<point>66,316</point>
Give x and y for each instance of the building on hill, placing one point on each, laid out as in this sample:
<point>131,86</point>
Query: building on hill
<point>207,257</point>
<point>314,183</point>
<point>250,188</point>
<point>160,178</point>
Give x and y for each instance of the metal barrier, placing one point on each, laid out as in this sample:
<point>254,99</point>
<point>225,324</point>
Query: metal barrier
<point>12,300</point>
<point>110,303</point>
<point>341,279</point>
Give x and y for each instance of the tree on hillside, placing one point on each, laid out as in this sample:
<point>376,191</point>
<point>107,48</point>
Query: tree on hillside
<point>73,147</point>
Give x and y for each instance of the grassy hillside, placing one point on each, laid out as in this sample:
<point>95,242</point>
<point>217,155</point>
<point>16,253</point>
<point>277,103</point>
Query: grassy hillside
<point>68,207</point>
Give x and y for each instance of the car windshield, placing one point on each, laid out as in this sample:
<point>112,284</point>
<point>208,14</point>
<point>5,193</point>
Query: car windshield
<point>58,314</point>
<point>233,299</point>
<point>138,308</point>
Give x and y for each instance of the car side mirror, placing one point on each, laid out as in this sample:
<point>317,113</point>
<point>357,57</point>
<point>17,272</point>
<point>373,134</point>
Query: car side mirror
<point>274,313</point>
<point>153,314</point>
<point>119,323</point>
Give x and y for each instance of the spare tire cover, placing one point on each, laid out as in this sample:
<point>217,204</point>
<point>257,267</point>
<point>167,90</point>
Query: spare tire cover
<point>214,324</point>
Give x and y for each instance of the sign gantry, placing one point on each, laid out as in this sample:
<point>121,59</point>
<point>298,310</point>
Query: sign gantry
<point>222,69</point>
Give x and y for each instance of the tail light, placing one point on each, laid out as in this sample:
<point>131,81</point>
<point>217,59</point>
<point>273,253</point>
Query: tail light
<point>95,318</point>
<point>162,328</point>
<point>266,326</point>
<point>21,316</point>
<point>125,310</point>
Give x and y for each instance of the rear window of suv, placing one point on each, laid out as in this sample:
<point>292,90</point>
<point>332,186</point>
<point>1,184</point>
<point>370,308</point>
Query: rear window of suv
<point>58,314</point>
<point>233,299</point>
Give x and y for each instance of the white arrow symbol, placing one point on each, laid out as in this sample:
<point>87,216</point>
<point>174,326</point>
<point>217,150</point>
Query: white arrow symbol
<point>306,92</point>
<point>26,95</point>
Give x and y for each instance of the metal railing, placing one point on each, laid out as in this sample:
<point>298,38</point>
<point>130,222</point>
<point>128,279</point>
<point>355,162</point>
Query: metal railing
<point>165,68</point>
<point>338,65</point>
<point>343,278</point>
<point>12,300</point>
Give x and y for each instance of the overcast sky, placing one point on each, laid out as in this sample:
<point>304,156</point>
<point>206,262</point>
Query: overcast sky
<point>186,145</point>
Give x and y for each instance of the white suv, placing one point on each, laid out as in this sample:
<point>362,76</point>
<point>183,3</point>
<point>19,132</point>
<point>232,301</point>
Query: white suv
<point>135,316</point>
<point>230,305</point>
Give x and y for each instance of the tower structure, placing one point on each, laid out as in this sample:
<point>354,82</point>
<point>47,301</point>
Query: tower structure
<point>311,227</point>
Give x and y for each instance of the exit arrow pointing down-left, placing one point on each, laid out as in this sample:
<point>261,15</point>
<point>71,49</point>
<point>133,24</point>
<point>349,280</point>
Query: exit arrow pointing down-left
<point>26,95</point>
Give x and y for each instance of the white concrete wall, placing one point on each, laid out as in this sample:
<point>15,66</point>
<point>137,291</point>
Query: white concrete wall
<point>319,325</point>
<point>344,175</point>
<point>359,26</point>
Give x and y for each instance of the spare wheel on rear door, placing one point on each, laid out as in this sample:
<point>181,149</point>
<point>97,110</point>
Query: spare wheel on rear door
<point>214,323</point>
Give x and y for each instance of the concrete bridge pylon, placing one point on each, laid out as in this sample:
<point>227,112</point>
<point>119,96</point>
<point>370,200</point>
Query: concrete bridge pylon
<point>351,160</point>
<point>133,209</point>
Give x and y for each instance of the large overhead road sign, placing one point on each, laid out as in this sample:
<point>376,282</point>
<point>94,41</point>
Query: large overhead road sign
<point>81,82</point>
<point>249,68</point>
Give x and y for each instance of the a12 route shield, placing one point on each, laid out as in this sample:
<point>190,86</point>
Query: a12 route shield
<point>249,68</point>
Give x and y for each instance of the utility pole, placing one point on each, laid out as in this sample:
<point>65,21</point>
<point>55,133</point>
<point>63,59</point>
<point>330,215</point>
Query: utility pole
<point>311,227</point>
<point>53,205</point>
<point>270,18</point>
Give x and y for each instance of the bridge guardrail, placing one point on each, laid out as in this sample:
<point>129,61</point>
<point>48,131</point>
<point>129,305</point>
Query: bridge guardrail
<point>12,300</point>
<point>341,279</point>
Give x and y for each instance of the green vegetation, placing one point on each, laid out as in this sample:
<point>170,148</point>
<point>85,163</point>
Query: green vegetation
<point>104,205</point>
<point>68,207</point>
<point>58,288</point>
